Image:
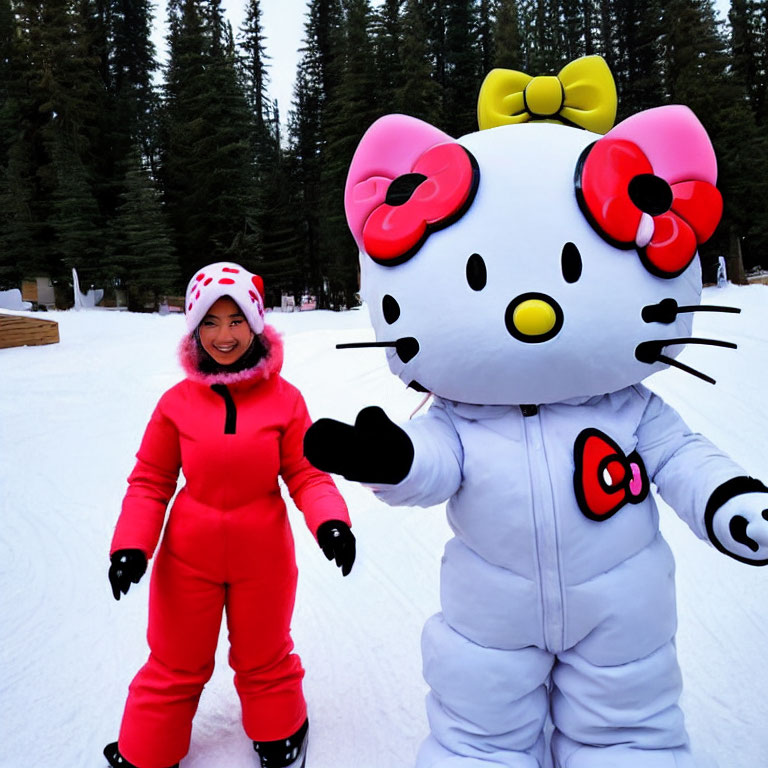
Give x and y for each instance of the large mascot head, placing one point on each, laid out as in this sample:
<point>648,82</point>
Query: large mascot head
<point>533,261</point>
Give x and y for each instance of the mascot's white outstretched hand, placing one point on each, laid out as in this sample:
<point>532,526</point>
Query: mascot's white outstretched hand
<point>739,527</point>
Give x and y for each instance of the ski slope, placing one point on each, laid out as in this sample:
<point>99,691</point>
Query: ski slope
<point>71,418</point>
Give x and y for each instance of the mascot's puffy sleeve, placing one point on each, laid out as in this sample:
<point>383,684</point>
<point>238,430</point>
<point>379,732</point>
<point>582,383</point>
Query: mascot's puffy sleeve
<point>438,456</point>
<point>686,467</point>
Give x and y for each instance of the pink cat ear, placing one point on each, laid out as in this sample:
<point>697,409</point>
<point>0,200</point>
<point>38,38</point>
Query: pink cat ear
<point>390,148</point>
<point>674,141</point>
<point>649,184</point>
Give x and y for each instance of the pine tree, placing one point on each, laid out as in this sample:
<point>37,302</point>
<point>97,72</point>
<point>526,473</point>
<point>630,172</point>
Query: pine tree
<point>592,39</point>
<point>69,87</point>
<point>351,110</point>
<point>463,63</point>
<point>76,224</point>
<point>207,164</point>
<point>762,115</point>
<point>571,34</point>
<point>253,63</point>
<point>746,157</point>
<point>304,151</point>
<point>54,107</point>
<point>316,80</point>
<point>420,94</point>
<point>279,256</point>
<point>434,23</point>
<point>387,32</point>
<point>132,67</point>
<point>606,25</point>
<point>539,27</point>
<point>637,70</point>
<point>275,244</point>
<point>749,41</point>
<point>182,124</point>
<point>508,49</point>
<point>485,39</point>
<point>142,261</point>
<point>13,243</point>
<point>323,46</point>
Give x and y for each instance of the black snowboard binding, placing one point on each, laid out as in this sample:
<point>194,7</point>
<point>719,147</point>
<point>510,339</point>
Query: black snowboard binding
<point>284,753</point>
<point>116,760</point>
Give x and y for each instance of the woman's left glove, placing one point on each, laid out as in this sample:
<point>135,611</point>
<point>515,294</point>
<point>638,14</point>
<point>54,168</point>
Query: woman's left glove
<point>128,566</point>
<point>337,543</point>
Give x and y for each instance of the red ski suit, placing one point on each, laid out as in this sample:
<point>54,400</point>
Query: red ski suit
<point>227,545</point>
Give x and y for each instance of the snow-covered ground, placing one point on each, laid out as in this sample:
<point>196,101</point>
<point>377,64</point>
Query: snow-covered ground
<point>71,417</point>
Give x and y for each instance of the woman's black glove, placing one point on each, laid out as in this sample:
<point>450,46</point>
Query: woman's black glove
<point>374,450</point>
<point>128,565</point>
<point>337,542</point>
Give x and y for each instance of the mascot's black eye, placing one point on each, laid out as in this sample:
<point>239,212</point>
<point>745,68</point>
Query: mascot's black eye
<point>477,274</point>
<point>650,194</point>
<point>390,308</point>
<point>570,261</point>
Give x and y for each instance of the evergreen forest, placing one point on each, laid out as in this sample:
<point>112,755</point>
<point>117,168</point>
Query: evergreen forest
<point>138,174</point>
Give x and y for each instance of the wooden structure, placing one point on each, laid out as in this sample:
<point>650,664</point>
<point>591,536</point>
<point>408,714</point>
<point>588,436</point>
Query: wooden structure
<point>39,291</point>
<point>21,331</point>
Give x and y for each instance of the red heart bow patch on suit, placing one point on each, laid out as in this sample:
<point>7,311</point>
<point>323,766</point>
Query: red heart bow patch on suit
<point>605,479</point>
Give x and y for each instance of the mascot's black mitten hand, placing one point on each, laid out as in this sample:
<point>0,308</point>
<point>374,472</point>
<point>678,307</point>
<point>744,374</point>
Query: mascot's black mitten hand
<point>374,451</point>
<point>337,543</point>
<point>128,566</point>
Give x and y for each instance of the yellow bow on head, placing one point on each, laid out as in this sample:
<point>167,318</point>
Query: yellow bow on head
<point>582,94</point>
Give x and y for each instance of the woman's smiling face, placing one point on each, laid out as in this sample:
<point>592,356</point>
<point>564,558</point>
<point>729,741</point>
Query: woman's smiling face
<point>224,332</point>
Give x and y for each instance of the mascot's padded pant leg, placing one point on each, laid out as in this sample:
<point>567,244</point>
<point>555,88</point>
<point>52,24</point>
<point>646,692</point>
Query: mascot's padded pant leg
<point>184,621</point>
<point>624,716</point>
<point>487,707</point>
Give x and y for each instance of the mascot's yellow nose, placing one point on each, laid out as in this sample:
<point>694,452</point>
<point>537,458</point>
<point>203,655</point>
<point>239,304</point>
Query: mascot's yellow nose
<point>534,317</point>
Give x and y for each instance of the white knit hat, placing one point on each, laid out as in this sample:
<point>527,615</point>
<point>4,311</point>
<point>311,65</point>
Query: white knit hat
<point>225,279</point>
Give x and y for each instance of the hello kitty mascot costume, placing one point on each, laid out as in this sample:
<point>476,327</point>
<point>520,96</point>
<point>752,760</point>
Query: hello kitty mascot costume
<point>530,276</point>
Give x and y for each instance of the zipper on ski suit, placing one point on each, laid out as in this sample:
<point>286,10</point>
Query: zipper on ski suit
<point>230,421</point>
<point>546,533</point>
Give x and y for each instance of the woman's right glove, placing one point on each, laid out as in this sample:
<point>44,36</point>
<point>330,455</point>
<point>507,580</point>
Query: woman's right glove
<point>128,566</point>
<point>375,450</point>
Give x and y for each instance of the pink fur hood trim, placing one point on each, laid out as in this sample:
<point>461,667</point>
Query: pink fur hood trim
<point>190,355</point>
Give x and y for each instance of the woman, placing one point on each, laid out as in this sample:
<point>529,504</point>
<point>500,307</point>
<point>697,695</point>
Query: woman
<point>233,426</point>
